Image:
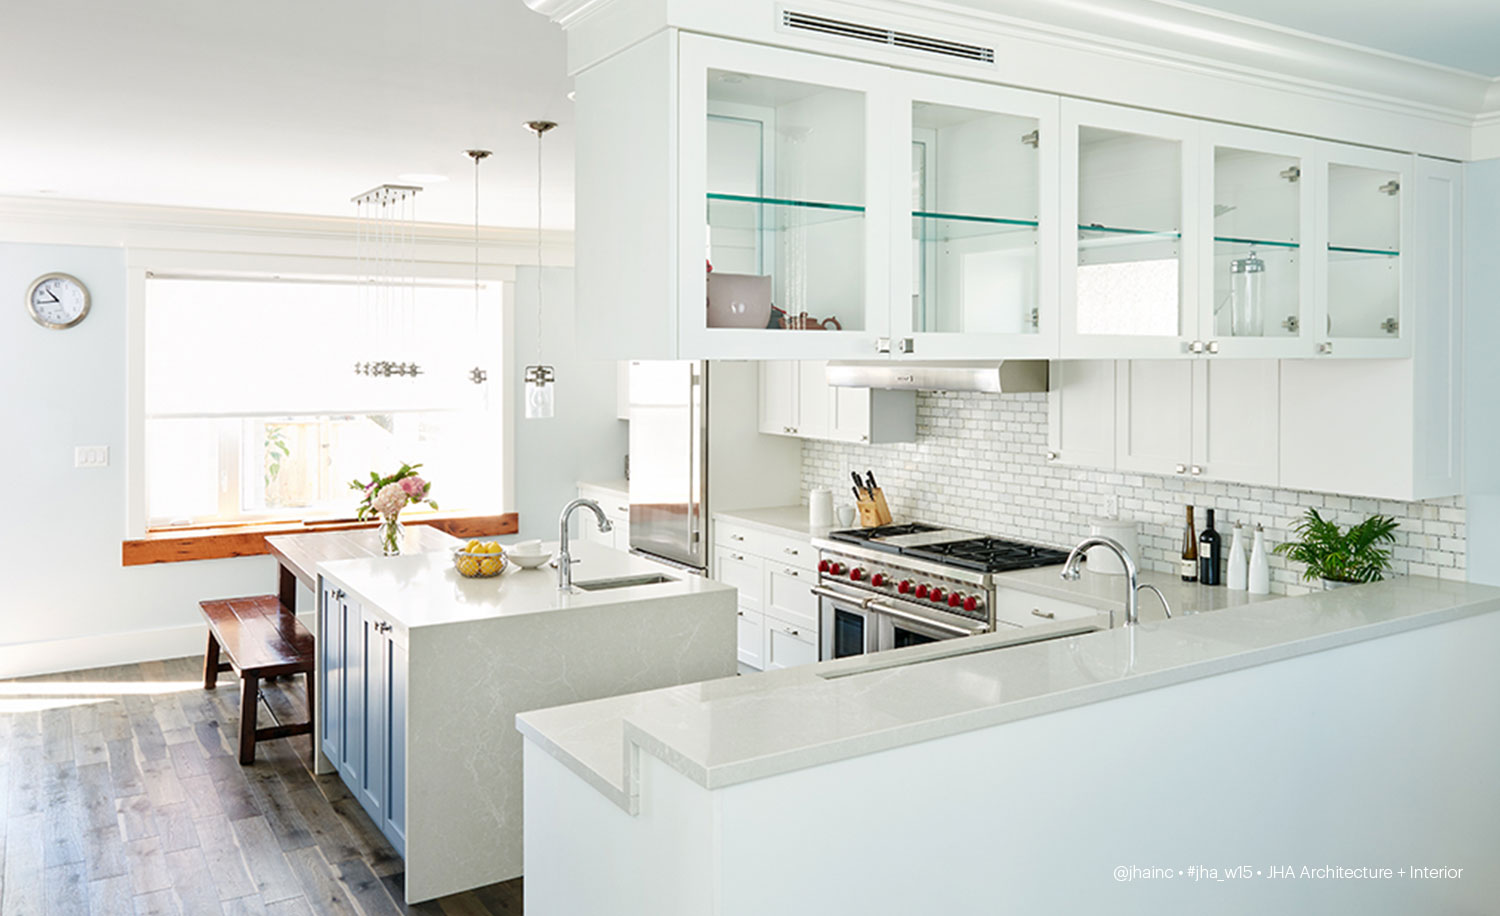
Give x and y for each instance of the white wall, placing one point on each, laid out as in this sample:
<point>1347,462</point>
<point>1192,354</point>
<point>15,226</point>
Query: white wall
<point>583,440</point>
<point>60,543</point>
<point>1482,370</point>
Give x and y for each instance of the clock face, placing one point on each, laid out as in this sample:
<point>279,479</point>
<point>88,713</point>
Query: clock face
<point>57,301</point>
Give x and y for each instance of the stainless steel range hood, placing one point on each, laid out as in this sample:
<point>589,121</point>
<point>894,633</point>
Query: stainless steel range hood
<point>1009,376</point>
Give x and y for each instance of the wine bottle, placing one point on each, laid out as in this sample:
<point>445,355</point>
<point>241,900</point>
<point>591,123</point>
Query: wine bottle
<point>1209,550</point>
<point>1189,550</point>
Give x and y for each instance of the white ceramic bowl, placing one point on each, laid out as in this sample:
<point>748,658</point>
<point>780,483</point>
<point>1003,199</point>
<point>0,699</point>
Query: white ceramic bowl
<point>528,560</point>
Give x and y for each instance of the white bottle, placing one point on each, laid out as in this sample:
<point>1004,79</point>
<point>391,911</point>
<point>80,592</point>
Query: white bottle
<point>1236,573</point>
<point>1260,565</point>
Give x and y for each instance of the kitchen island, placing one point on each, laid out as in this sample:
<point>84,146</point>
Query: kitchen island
<point>1347,728</point>
<point>422,672</point>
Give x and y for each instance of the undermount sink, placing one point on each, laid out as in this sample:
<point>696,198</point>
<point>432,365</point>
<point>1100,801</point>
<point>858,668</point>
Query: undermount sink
<point>599,585</point>
<point>957,647</point>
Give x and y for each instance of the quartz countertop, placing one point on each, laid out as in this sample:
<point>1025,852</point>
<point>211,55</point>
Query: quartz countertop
<point>423,589</point>
<point>719,733</point>
<point>619,486</point>
<point>777,520</point>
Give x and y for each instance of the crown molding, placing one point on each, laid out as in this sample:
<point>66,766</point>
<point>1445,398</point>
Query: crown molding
<point>150,226</point>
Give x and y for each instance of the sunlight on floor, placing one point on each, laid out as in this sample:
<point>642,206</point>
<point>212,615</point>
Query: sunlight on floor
<point>38,696</point>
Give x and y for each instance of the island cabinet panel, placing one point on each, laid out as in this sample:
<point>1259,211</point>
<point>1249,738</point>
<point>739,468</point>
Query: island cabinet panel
<point>330,674</point>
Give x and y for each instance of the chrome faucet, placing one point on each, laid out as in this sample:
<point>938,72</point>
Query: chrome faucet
<point>565,559</point>
<point>1132,575</point>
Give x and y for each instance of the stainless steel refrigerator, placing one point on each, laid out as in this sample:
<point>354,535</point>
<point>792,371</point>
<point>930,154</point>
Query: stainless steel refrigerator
<point>669,462</point>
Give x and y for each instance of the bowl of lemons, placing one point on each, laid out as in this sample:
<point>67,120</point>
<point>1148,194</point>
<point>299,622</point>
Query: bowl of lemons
<point>479,559</point>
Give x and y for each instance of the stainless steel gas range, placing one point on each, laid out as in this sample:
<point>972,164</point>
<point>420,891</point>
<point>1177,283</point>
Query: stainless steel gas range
<point>903,585</point>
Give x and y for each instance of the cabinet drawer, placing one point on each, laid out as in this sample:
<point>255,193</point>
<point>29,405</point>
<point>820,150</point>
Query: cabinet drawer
<point>783,549</point>
<point>751,643</point>
<point>789,644</point>
<point>788,594</point>
<point>1025,609</point>
<point>744,572</point>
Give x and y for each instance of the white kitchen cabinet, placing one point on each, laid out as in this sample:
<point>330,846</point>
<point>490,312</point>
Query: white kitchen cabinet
<point>1130,260</point>
<point>1081,413</point>
<point>1257,205</point>
<point>1218,420</point>
<point>1023,609</point>
<point>981,199</point>
<point>622,389</point>
<point>1368,286</point>
<point>789,644</point>
<point>773,573</point>
<point>616,506</point>
<point>796,400</point>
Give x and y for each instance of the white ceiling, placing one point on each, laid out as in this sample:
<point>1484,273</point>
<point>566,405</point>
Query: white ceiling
<point>1463,34</point>
<point>284,105</point>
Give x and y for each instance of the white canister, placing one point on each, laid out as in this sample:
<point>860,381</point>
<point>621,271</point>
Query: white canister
<point>1103,560</point>
<point>820,507</point>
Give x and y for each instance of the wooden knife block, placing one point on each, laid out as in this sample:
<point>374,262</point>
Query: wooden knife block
<point>873,512</point>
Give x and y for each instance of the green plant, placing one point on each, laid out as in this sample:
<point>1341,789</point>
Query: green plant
<point>1331,552</point>
<point>277,451</point>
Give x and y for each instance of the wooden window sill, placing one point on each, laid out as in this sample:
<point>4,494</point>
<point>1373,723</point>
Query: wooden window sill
<point>176,545</point>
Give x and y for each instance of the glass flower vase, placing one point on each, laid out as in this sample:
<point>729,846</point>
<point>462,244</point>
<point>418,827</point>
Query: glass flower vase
<point>392,535</point>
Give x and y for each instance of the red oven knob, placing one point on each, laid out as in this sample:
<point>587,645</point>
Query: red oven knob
<point>836,568</point>
<point>971,603</point>
<point>921,591</point>
<point>955,599</point>
<point>823,566</point>
<point>904,587</point>
<point>938,595</point>
<point>856,574</point>
<point>877,580</point>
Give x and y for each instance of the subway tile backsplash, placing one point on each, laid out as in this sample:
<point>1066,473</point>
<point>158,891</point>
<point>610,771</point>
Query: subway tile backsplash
<point>979,463</point>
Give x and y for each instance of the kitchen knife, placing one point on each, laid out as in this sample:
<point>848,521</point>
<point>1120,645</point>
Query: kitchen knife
<point>857,497</point>
<point>858,486</point>
<point>870,476</point>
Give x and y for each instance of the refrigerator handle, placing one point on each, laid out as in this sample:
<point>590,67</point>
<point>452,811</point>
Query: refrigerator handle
<point>699,452</point>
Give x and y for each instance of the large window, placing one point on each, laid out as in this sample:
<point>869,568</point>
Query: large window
<point>253,410</point>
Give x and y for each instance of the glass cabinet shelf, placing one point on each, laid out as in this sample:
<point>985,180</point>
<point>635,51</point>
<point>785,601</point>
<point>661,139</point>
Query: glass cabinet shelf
<point>737,211</point>
<point>1346,253</point>
<point>1111,236</point>
<point>1255,243</point>
<point>929,226</point>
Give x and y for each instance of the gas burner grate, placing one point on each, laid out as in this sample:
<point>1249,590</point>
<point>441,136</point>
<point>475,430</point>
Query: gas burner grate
<point>987,554</point>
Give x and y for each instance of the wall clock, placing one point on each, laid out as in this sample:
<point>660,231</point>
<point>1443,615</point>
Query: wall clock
<point>57,301</point>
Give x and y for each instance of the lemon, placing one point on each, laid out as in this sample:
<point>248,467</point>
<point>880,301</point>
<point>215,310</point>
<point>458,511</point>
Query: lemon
<point>492,547</point>
<point>468,566</point>
<point>490,566</point>
<point>473,547</point>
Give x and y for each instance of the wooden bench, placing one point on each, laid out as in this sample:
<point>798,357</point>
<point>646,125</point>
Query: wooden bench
<point>261,638</point>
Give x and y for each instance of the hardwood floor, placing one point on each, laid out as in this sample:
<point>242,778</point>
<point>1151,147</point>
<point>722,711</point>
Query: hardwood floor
<point>120,793</point>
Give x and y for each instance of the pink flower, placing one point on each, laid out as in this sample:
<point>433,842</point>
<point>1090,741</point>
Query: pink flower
<point>414,486</point>
<point>390,500</point>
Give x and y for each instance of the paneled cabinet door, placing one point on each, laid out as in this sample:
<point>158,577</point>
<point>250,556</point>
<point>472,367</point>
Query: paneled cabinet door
<point>974,270</point>
<point>1081,414</point>
<point>1130,263</point>
<point>353,688</point>
<point>1237,420</point>
<point>394,826</point>
<point>1154,410</point>
<point>778,396</point>
<point>751,639</point>
<point>1367,285</point>
<point>369,787</point>
<point>783,183</point>
<point>789,644</point>
<point>1257,208</point>
<point>331,672</point>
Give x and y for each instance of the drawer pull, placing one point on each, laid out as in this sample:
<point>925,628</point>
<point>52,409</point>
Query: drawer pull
<point>737,556</point>
<point>1038,612</point>
<point>741,613</point>
<point>791,550</point>
<point>736,537</point>
<point>793,573</point>
<point>792,632</point>
<point>340,595</point>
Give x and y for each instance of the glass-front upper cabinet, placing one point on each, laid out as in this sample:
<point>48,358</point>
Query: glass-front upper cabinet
<point>1366,284</point>
<point>1256,218</point>
<point>1130,267</point>
<point>777,169</point>
<point>980,277</point>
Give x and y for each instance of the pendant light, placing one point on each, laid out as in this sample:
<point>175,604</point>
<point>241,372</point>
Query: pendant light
<point>477,375</point>
<point>386,233</point>
<point>541,380</point>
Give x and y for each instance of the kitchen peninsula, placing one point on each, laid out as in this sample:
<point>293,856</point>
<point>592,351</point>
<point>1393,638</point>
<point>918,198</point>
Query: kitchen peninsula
<point>422,672</point>
<point>1345,727</point>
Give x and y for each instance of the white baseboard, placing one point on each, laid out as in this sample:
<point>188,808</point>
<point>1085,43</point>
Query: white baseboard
<point>59,655</point>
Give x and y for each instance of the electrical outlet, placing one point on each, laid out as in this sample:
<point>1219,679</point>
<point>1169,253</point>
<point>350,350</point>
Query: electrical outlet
<point>91,456</point>
<point>1110,505</point>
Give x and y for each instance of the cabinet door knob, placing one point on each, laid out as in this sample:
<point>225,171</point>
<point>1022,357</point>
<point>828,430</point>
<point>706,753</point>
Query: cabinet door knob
<point>1181,469</point>
<point>1325,347</point>
<point>741,613</point>
<point>1038,612</point>
<point>1052,456</point>
<point>1213,346</point>
<point>1195,347</point>
<point>1195,470</point>
<point>340,594</point>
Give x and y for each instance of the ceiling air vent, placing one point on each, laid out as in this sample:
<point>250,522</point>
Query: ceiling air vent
<point>927,44</point>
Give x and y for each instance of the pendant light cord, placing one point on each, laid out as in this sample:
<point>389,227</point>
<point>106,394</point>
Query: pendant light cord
<point>539,246</point>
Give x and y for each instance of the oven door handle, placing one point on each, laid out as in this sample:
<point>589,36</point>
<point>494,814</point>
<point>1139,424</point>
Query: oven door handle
<point>829,593</point>
<point>898,613</point>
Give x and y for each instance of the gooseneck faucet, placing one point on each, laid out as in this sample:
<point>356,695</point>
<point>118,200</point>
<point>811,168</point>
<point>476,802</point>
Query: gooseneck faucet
<point>564,558</point>
<point>1132,576</point>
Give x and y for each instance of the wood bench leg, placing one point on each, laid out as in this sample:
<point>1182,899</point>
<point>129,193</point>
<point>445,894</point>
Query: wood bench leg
<point>249,697</point>
<point>211,663</point>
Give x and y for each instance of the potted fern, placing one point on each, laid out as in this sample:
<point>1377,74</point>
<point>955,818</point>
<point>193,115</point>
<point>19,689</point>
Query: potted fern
<point>1341,556</point>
